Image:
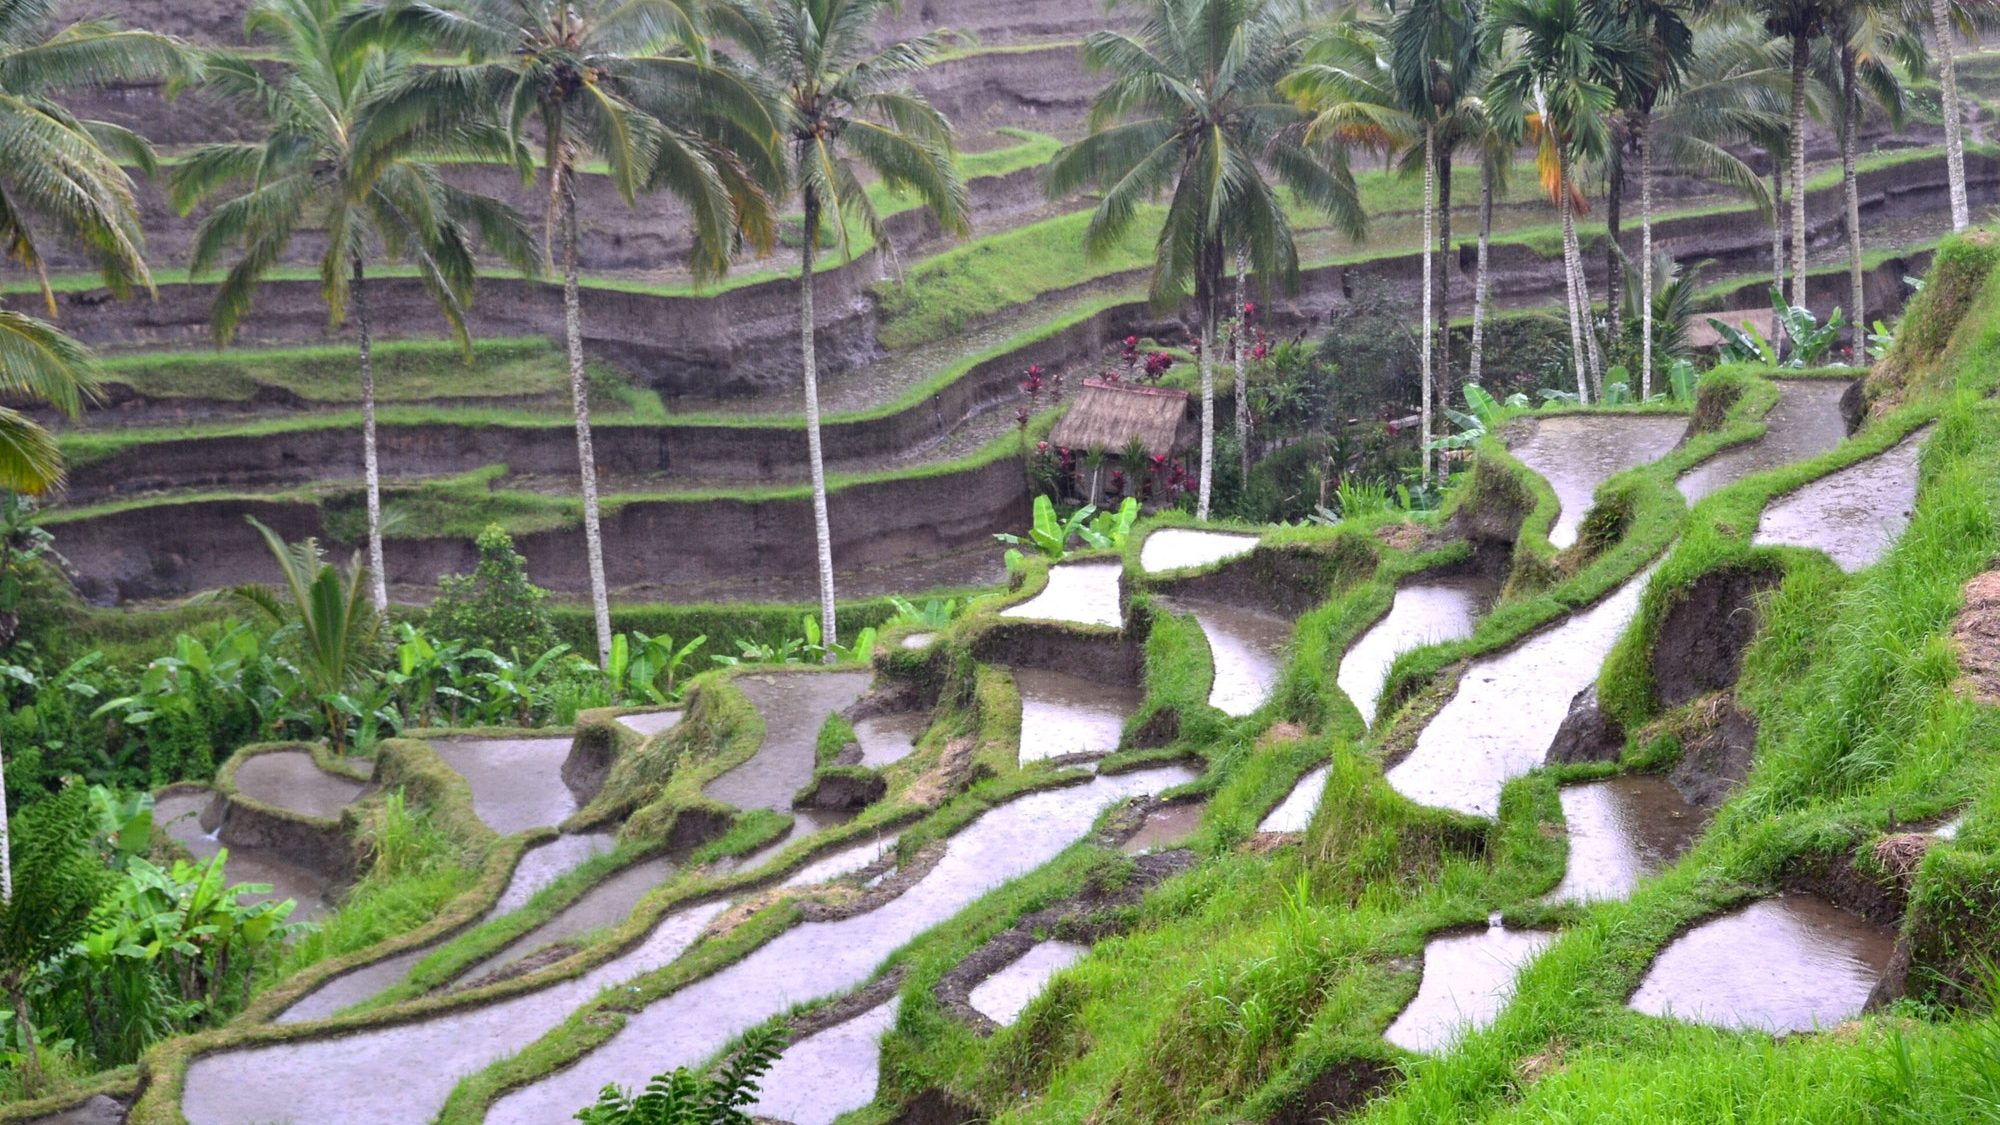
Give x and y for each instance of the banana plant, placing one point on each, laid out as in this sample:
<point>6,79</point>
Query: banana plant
<point>860,650</point>
<point>650,667</point>
<point>1049,536</point>
<point>1811,340</point>
<point>1109,530</point>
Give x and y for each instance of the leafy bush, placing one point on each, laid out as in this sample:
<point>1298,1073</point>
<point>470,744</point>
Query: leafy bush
<point>495,607</point>
<point>686,1098</point>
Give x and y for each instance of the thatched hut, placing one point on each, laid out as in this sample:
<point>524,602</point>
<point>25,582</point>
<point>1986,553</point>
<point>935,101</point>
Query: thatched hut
<point>1108,416</point>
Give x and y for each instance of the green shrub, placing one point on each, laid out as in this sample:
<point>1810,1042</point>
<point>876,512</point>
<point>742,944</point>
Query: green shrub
<point>495,607</point>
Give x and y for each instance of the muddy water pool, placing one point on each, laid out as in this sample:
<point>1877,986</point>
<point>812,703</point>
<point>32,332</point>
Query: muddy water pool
<point>290,779</point>
<point>1853,515</point>
<point>1063,714</point>
<point>401,1075</point>
<point>1295,812</point>
<point>1424,612</point>
<point>1467,979</point>
<point>1082,593</point>
<point>1805,422</point>
<point>538,867</point>
<point>1176,548</point>
<point>794,705</point>
<point>179,816</point>
<point>1003,996</point>
<point>1508,707</point>
<point>1166,826</point>
<point>1621,830</point>
<point>828,1073</point>
<point>1577,452</point>
<point>1248,648</point>
<point>1793,963</point>
<point>818,958</point>
<point>516,782</point>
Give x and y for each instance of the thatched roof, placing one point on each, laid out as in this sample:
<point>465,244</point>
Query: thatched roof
<point>1108,416</point>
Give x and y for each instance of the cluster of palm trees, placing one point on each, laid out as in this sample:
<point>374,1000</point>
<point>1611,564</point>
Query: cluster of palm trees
<point>1211,101</point>
<point>1231,110</point>
<point>732,107</point>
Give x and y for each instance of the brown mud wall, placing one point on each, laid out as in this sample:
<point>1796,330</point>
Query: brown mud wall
<point>172,549</point>
<point>741,342</point>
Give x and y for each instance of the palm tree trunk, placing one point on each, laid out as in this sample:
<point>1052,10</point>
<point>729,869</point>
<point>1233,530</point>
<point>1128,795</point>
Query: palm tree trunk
<point>1801,58</point>
<point>1954,141</point>
<point>1777,223</point>
<point>1614,269</point>
<point>1242,381</point>
<point>1850,183</point>
<point>1442,372</point>
<point>822,533</point>
<point>371,471</point>
<point>1577,354</point>
<point>579,390</point>
<point>1585,312</point>
<point>1207,314</point>
<point>6,841</point>
<point>1639,138</point>
<point>1480,286</point>
<point>1424,357</point>
<point>31,1070</point>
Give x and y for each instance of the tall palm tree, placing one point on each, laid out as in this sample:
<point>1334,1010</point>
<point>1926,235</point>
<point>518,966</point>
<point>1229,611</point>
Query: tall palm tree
<point>1725,89</point>
<point>1798,23</point>
<point>1436,61</point>
<point>61,178</point>
<point>1568,59</point>
<point>1873,43</point>
<point>1193,111</point>
<point>629,82</point>
<point>308,174</point>
<point>848,109</point>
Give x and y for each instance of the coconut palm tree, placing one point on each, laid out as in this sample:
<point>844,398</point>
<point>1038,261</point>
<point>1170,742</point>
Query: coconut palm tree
<point>1436,61</point>
<point>1873,43</point>
<point>1568,60</point>
<point>1725,89</point>
<point>61,178</point>
<point>630,83</point>
<point>307,174</point>
<point>1798,23</point>
<point>1193,112</point>
<point>848,111</point>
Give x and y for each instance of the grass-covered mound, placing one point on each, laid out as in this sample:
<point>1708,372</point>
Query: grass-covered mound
<point>1258,987</point>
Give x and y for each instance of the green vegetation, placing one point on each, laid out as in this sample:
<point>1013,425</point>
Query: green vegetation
<point>411,371</point>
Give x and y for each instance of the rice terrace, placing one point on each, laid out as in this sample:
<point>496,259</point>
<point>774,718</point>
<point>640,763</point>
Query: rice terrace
<point>1246,562</point>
